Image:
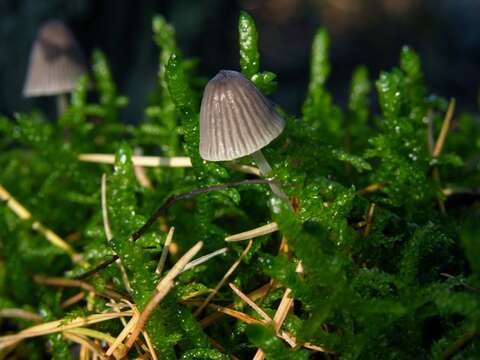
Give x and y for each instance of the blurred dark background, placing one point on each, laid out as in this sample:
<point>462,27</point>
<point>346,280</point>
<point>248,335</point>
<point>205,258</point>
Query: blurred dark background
<point>446,34</point>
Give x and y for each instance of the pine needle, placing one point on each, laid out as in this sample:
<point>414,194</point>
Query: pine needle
<point>86,343</point>
<point>250,234</point>
<point>444,130</point>
<point>254,295</point>
<point>52,281</point>
<point>161,291</point>
<point>231,312</point>
<point>123,334</point>
<point>73,300</point>
<point>140,172</point>
<point>280,315</point>
<point>58,326</point>
<point>19,314</point>
<point>156,161</point>
<point>250,303</point>
<point>439,147</point>
<point>106,222</point>
<point>166,246</point>
<point>224,279</point>
<point>108,231</point>
<point>370,189</point>
<point>368,227</point>
<point>147,161</point>
<point>151,350</point>
<point>51,236</point>
<point>204,259</point>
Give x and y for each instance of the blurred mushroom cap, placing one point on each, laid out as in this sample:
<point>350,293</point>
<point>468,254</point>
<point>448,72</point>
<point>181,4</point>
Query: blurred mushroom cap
<point>235,118</point>
<point>56,62</point>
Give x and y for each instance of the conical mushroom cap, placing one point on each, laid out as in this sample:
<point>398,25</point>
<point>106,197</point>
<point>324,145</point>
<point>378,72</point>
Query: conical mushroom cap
<point>235,118</point>
<point>56,62</point>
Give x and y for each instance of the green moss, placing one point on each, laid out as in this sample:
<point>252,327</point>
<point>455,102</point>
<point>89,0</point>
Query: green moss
<point>398,280</point>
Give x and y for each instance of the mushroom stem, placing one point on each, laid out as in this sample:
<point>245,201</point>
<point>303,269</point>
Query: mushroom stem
<point>265,169</point>
<point>262,163</point>
<point>62,104</point>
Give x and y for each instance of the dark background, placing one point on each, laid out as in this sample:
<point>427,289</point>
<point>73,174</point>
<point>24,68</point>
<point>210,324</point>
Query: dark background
<point>446,33</point>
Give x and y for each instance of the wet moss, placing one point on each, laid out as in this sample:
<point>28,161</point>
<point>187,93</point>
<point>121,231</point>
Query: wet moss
<point>387,273</point>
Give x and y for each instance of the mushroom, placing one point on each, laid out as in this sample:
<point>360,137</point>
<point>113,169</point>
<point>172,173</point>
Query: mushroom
<point>236,120</point>
<point>55,65</point>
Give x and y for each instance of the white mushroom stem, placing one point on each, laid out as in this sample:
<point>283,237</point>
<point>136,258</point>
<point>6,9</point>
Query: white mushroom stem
<point>62,104</point>
<point>266,169</point>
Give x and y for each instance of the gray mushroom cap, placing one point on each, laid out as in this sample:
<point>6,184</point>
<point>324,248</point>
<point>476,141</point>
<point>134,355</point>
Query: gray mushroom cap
<point>56,62</point>
<point>235,118</point>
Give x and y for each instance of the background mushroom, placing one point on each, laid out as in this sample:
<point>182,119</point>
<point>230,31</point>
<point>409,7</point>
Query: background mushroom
<point>55,65</point>
<point>236,120</point>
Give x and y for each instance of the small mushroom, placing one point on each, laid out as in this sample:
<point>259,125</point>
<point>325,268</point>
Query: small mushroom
<point>55,65</point>
<point>236,120</point>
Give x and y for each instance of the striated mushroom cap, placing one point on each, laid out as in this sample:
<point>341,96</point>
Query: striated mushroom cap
<point>235,118</point>
<point>56,62</point>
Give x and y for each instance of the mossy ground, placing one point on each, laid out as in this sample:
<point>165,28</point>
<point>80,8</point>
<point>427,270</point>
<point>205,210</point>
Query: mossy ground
<point>385,220</point>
